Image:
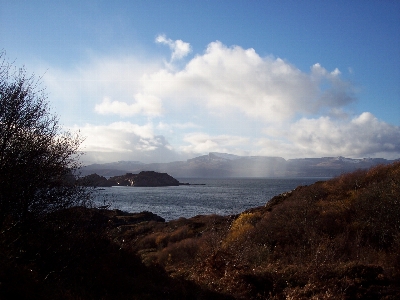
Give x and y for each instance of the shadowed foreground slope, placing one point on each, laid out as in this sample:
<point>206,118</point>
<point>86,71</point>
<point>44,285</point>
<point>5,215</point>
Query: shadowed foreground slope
<point>337,239</point>
<point>69,256</point>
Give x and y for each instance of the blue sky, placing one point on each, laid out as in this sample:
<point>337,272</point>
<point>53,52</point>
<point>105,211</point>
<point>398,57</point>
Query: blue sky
<point>159,81</point>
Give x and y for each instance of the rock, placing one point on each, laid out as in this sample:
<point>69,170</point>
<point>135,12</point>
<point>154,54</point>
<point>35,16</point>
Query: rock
<point>151,178</point>
<point>143,179</point>
<point>144,216</point>
<point>94,180</point>
<point>120,217</point>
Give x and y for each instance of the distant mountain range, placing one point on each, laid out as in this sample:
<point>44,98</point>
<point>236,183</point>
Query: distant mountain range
<point>216,165</point>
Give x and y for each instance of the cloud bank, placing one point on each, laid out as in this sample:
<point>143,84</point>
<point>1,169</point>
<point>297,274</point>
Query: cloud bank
<point>226,99</point>
<point>362,136</point>
<point>269,89</point>
<point>125,141</point>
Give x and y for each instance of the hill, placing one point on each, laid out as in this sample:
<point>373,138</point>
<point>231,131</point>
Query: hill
<point>335,239</point>
<point>227,165</point>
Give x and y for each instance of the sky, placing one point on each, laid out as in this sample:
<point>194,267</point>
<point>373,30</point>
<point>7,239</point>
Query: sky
<point>162,81</point>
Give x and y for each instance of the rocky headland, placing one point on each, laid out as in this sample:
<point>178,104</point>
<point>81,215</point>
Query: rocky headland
<point>143,179</point>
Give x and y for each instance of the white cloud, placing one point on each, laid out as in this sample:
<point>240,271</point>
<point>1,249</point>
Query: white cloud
<point>362,136</point>
<point>83,88</point>
<point>221,79</point>
<point>336,72</point>
<point>144,104</point>
<point>277,147</point>
<point>179,48</point>
<point>334,92</point>
<point>186,125</point>
<point>119,137</point>
<point>204,143</point>
<point>125,141</point>
<point>269,89</point>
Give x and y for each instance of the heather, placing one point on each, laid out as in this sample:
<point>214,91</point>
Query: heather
<point>336,239</point>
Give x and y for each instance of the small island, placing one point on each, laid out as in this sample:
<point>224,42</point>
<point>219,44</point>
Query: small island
<point>143,179</point>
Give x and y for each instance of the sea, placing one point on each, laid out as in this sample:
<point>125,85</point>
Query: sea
<point>203,196</point>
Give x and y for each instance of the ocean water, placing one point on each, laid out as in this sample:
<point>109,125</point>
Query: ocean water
<point>203,197</point>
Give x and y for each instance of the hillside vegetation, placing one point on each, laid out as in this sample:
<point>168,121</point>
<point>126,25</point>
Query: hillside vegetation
<point>337,239</point>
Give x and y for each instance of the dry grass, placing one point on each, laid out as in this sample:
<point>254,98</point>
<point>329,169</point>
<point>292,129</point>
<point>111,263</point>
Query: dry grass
<point>337,239</point>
